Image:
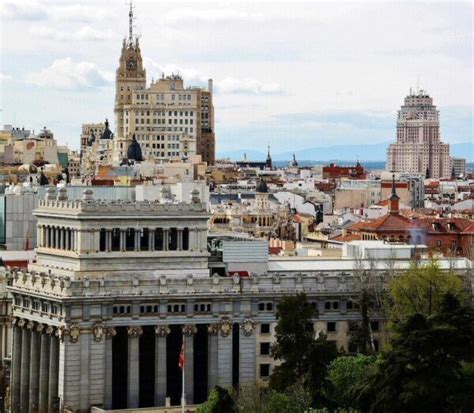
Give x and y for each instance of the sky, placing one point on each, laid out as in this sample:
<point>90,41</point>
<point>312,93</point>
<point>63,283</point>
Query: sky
<point>292,74</point>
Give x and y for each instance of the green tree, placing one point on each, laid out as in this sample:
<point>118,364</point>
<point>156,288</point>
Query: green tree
<point>343,373</point>
<point>219,400</point>
<point>294,340</point>
<point>420,290</point>
<point>302,356</point>
<point>254,399</point>
<point>424,370</point>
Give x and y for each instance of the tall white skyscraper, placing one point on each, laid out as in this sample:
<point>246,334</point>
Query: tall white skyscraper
<point>419,148</point>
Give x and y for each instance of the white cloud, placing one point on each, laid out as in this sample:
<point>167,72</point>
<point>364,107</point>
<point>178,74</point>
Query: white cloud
<point>4,77</point>
<point>247,86</point>
<point>67,74</point>
<point>209,15</point>
<point>85,33</point>
<point>228,85</point>
<point>22,10</point>
<point>191,76</point>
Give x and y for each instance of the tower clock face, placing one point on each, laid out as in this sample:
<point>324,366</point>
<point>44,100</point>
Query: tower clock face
<point>131,64</point>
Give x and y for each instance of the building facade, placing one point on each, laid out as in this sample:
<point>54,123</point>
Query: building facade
<point>418,148</point>
<point>459,167</point>
<point>100,318</point>
<point>168,120</point>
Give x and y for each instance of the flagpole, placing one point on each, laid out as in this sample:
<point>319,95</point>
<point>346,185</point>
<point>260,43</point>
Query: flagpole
<point>183,393</point>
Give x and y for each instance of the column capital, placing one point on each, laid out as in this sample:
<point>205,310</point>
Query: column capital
<point>134,332</point>
<point>40,328</point>
<point>74,333</point>
<point>15,321</point>
<point>110,332</point>
<point>213,329</point>
<point>247,326</point>
<point>50,331</point>
<point>189,330</point>
<point>98,331</point>
<point>30,325</point>
<point>225,326</point>
<point>162,331</point>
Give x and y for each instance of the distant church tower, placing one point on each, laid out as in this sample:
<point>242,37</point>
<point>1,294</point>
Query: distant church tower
<point>130,77</point>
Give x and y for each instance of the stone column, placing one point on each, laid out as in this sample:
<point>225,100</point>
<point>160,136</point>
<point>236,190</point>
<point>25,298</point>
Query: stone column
<point>53,369</point>
<point>166,235</point>
<point>122,240</point>
<point>110,333</point>
<point>34,369</point>
<point>137,240</point>
<point>197,239</point>
<point>25,367</point>
<point>108,240</point>
<point>151,240</point>
<point>224,354</point>
<point>85,371</point>
<point>179,235</point>
<point>247,353</point>
<point>57,238</point>
<point>40,236</point>
<point>44,370</point>
<point>188,332</point>
<point>61,238</point>
<point>212,332</point>
<point>161,332</point>
<point>133,397</point>
<point>16,367</point>
<point>73,240</point>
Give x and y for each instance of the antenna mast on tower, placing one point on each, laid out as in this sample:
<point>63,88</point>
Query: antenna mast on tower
<point>130,23</point>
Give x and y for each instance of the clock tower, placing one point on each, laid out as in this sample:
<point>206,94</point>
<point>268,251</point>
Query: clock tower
<point>130,77</point>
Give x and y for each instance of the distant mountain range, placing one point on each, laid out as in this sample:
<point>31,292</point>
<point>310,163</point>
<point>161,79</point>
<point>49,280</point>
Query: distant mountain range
<point>373,152</point>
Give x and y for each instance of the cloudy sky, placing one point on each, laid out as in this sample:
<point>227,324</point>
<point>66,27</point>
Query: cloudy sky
<point>292,73</point>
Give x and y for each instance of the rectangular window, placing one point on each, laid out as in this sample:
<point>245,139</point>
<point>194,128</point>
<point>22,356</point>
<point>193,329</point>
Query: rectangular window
<point>375,325</point>
<point>264,349</point>
<point>264,370</point>
<point>264,328</point>
<point>331,326</point>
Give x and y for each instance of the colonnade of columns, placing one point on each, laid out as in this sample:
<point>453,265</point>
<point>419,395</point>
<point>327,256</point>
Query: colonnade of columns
<point>146,239</point>
<point>118,239</point>
<point>219,347</point>
<point>35,368</point>
<point>58,237</point>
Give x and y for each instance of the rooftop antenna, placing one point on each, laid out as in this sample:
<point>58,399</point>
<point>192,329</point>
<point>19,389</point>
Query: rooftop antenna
<point>418,84</point>
<point>130,23</point>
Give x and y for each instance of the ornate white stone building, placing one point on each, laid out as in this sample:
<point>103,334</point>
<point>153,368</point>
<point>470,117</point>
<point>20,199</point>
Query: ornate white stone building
<point>419,148</point>
<point>99,319</point>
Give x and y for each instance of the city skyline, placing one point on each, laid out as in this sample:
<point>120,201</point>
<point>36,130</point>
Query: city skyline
<point>270,86</point>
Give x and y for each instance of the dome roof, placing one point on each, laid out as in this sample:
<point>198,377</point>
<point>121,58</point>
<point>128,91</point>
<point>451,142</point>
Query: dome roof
<point>262,186</point>
<point>107,133</point>
<point>134,152</point>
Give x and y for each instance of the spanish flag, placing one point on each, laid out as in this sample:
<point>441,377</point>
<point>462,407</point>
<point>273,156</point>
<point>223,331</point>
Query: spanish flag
<point>181,358</point>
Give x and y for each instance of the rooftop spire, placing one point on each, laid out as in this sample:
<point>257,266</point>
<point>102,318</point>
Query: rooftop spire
<point>394,191</point>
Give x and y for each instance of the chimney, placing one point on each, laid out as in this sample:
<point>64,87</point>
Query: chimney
<point>394,199</point>
<point>209,85</point>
